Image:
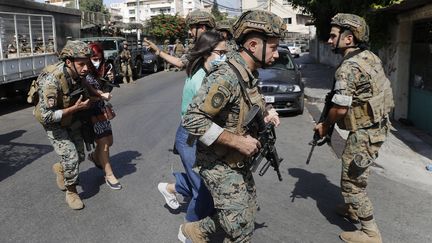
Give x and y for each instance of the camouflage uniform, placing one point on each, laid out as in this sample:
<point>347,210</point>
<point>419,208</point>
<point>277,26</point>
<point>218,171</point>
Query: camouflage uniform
<point>233,189</point>
<point>63,133</point>
<point>226,26</point>
<point>220,105</point>
<point>126,69</point>
<point>363,88</point>
<point>178,49</point>
<point>165,48</point>
<point>355,80</point>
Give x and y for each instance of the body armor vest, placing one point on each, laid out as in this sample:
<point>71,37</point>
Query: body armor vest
<point>377,108</point>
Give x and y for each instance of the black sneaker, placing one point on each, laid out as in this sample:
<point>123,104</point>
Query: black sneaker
<point>116,186</point>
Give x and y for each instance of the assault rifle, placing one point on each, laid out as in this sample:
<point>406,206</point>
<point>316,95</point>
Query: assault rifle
<point>317,140</point>
<point>267,137</point>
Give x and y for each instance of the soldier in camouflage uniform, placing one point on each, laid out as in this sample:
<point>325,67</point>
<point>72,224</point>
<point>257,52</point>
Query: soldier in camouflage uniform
<point>56,110</point>
<point>125,58</point>
<point>198,22</point>
<point>361,103</point>
<point>165,48</point>
<point>215,117</point>
<point>225,27</point>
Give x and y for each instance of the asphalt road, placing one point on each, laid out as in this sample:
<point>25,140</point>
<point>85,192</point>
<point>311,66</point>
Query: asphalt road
<point>298,209</point>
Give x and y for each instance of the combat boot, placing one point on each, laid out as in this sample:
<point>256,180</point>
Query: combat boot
<point>369,233</point>
<point>190,232</point>
<point>58,170</point>
<point>347,211</point>
<point>73,199</point>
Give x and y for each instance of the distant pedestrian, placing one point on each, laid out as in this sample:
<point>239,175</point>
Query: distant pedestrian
<point>362,101</point>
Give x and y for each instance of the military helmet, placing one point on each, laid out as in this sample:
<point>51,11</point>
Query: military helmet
<point>166,41</point>
<point>75,49</point>
<point>200,17</point>
<point>125,43</point>
<point>356,24</point>
<point>224,25</point>
<point>259,21</point>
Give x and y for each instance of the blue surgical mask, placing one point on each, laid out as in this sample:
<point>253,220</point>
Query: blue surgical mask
<point>218,60</point>
<point>96,64</point>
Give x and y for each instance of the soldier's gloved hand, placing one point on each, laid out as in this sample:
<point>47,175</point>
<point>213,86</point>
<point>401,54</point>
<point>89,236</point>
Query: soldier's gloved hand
<point>152,46</point>
<point>248,145</point>
<point>273,117</point>
<point>82,105</point>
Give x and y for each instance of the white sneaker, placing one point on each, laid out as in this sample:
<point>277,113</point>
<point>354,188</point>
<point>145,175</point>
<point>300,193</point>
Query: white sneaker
<point>181,236</point>
<point>170,198</point>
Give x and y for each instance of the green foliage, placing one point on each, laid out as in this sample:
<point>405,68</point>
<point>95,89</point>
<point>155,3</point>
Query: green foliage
<point>323,10</point>
<point>167,27</point>
<point>216,13</point>
<point>92,5</point>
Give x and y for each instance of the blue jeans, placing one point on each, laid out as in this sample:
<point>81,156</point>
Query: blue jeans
<point>189,184</point>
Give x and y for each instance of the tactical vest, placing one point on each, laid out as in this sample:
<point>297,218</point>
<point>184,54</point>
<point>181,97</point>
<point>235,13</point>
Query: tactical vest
<point>63,100</point>
<point>377,108</point>
<point>249,96</point>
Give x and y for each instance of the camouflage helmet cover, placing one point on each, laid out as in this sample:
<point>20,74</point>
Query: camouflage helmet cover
<point>200,17</point>
<point>75,49</point>
<point>259,21</point>
<point>356,24</point>
<point>224,25</point>
<point>166,41</point>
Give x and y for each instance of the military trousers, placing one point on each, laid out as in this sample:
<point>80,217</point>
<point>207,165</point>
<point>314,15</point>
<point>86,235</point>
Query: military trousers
<point>362,144</point>
<point>69,145</point>
<point>234,196</point>
<point>126,72</point>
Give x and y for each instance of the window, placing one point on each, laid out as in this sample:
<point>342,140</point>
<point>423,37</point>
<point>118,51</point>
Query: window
<point>288,20</point>
<point>285,2</point>
<point>132,19</point>
<point>132,11</point>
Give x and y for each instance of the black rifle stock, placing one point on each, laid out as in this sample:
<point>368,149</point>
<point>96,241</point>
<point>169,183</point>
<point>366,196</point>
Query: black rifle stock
<point>267,138</point>
<point>317,140</point>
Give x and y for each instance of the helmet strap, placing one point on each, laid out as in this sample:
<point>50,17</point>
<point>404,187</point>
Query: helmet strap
<point>341,50</point>
<point>254,58</point>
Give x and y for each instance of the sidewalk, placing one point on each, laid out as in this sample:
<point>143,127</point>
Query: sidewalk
<point>403,156</point>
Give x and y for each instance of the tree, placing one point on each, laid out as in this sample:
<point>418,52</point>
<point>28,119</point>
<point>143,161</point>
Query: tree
<point>166,27</point>
<point>92,5</point>
<point>215,11</point>
<point>323,11</point>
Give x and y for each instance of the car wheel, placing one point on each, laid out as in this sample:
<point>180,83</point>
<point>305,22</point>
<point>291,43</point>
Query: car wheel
<point>138,69</point>
<point>301,105</point>
<point>155,67</point>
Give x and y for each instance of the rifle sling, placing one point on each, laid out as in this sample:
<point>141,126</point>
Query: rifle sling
<point>242,85</point>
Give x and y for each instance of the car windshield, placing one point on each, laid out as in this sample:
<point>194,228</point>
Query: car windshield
<point>284,61</point>
<point>109,45</point>
<point>290,44</point>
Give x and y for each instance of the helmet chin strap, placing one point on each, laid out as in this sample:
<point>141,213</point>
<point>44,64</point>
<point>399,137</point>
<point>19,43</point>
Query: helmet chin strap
<point>341,50</point>
<point>256,60</point>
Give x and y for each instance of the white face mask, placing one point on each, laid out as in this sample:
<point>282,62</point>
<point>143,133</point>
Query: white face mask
<point>218,60</point>
<point>96,64</point>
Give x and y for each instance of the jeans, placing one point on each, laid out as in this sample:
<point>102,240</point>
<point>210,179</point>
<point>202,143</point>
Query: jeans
<point>190,184</point>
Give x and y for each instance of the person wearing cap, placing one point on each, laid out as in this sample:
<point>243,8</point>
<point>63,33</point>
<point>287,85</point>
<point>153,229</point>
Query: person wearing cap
<point>361,104</point>
<point>125,58</point>
<point>56,109</point>
<point>215,117</point>
<point>198,22</point>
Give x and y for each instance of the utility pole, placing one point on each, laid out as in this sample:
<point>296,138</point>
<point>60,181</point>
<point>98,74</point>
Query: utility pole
<point>138,30</point>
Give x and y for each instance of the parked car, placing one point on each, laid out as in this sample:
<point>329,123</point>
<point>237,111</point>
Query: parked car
<point>281,84</point>
<point>151,62</point>
<point>294,49</point>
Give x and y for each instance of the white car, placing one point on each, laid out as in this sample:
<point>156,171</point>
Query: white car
<point>294,49</point>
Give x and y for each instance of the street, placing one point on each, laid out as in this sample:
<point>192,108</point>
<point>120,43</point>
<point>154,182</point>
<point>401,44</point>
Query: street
<point>298,209</point>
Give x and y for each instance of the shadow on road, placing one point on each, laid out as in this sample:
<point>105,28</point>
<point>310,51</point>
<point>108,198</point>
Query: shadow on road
<point>15,156</point>
<point>327,196</point>
<point>93,178</point>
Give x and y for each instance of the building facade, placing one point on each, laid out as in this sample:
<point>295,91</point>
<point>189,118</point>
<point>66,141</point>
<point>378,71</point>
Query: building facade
<point>295,20</point>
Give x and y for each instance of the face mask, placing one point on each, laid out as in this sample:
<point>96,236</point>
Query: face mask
<point>218,60</point>
<point>96,64</point>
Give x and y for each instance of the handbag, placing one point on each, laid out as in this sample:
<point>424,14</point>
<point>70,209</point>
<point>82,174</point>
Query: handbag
<point>108,111</point>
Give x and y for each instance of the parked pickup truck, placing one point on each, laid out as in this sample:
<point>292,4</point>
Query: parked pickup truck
<point>113,46</point>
